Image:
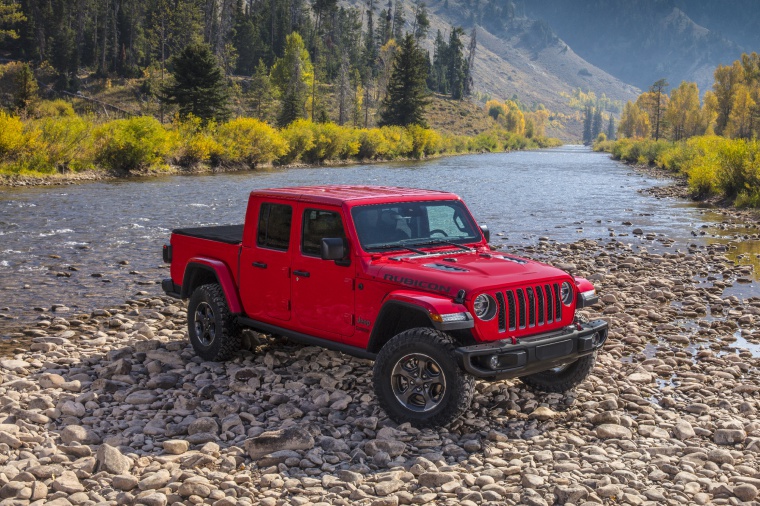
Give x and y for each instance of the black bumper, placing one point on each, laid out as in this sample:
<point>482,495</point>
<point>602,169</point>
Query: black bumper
<point>532,354</point>
<point>171,289</point>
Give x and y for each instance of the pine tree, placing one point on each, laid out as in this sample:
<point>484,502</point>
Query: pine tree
<point>596,124</point>
<point>399,20</point>
<point>293,75</point>
<point>587,119</point>
<point>199,86</point>
<point>345,89</point>
<point>421,20</point>
<point>456,67</point>
<point>370,44</point>
<point>25,92</point>
<point>437,79</point>
<point>246,42</point>
<point>611,129</point>
<point>407,95</point>
<point>261,92</point>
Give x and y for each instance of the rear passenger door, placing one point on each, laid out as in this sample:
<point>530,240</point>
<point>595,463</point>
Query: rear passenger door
<point>323,290</point>
<point>265,264</point>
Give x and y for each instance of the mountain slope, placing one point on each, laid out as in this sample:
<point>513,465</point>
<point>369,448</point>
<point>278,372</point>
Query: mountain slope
<point>522,58</point>
<point>641,41</point>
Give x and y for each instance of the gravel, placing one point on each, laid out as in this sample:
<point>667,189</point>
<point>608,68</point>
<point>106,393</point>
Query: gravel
<point>117,409</point>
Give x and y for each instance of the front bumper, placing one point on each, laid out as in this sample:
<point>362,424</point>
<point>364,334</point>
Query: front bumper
<point>532,354</point>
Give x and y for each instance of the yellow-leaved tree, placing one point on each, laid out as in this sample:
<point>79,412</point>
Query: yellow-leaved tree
<point>634,123</point>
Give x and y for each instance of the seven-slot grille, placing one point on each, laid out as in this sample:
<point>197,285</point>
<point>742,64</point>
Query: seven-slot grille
<point>532,306</point>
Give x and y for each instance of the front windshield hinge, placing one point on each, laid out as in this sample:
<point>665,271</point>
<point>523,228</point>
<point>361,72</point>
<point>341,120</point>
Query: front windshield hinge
<point>459,299</point>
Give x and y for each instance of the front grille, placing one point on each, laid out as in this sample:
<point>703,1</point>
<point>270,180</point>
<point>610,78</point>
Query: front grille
<point>532,306</point>
<point>502,312</point>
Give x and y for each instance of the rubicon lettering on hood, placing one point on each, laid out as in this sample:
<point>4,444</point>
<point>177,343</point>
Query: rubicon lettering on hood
<point>425,285</point>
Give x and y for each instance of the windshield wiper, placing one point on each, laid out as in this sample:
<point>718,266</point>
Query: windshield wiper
<point>442,241</point>
<point>397,246</point>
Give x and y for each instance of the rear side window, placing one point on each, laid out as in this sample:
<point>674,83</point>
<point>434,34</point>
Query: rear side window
<point>317,225</point>
<point>274,226</point>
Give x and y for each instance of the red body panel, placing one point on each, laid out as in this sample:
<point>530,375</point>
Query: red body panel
<point>341,301</point>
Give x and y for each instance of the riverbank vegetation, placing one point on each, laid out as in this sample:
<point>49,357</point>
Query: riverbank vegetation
<point>64,142</point>
<point>714,143</point>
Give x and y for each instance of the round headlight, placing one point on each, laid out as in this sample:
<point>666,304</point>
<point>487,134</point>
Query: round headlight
<point>566,293</point>
<point>484,307</point>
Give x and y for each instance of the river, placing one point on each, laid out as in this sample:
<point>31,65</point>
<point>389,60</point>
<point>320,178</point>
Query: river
<point>94,245</point>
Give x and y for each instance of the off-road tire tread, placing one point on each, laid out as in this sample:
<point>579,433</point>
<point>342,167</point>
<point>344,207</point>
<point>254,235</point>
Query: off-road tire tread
<point>230,337</point>
<point>551,382</point>
<point>463,382</point>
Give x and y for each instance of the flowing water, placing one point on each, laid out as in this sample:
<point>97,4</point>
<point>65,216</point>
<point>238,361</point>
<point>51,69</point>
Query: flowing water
<point>94,245</point>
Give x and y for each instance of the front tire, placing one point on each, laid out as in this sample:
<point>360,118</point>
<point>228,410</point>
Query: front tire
<point>210,325</point>
<point>563,378</point>
<point>417,379</point>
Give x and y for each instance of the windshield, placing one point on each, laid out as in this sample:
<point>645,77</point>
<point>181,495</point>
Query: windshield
<point>409,224</point>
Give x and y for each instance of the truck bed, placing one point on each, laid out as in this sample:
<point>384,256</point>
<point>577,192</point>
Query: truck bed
<point>230,234</point>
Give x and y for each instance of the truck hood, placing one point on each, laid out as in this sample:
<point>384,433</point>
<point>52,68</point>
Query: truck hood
<point>469,271</point>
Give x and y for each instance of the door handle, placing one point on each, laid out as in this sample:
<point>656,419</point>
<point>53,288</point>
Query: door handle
<point>302,274</point>
<point>260,265</point>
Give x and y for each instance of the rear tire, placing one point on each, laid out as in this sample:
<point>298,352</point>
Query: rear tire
<point>211,327</point>
<point>562,379</point>
<point>417,379</point>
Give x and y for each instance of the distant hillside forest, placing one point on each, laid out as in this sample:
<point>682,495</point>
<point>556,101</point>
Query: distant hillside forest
<point>315,58</point>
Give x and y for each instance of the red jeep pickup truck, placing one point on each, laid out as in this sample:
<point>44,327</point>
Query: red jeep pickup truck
<point>401,276</point>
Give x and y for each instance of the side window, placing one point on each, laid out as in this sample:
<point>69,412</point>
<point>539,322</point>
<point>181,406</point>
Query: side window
<point>274,226</point>
<point>318,224</point>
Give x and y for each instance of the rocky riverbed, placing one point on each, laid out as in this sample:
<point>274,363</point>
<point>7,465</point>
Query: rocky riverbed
<point>113,407</point>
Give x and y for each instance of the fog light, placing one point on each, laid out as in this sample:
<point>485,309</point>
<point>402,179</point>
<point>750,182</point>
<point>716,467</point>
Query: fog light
<point>596,339</point>
<point>493,363</point>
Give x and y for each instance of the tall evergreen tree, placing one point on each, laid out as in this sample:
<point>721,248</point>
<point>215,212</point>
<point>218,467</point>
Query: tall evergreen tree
<point>246,41</point>
<point>596,124</point>
<point>25,92</point>
<point>370,43</point>
<point>438,78</point>
<point>456,71</point>
<point>587,120</point>
<point>399,20</point>
<point>261,92</point>
<point>421,20</point>
<point>407,98</point>
<point>293,74</point>
<point>199,86</point>
<point>611,129</point>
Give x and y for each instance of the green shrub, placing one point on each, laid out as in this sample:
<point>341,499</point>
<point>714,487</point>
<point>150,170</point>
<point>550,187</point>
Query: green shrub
<point>249,141</point>
<point>398,140</point>
<point>139,143</point>
<point>52,108</point>
<point>331,142</point>
<point>425,142</point>
<point>372,144</point>
<point>13,140</point>
<point>66,143</point>
<point>196,140</point>
<point>300,138</point>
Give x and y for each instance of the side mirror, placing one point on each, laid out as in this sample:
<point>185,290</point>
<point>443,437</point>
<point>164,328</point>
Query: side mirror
<point>486,232</point>
<point>333,248</point>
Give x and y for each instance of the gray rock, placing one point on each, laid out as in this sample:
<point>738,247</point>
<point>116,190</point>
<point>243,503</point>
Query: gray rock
<point>611,431</point>
<point>124,482</point>
<point>176,446</point>
<point>154,481</point>
<point>436,479</point>
<point>79,434</point>
<point>729,436</point>
<point>67,482</point>
<point>570,494</point>
<point>112,461</point>
<point>141,397</point>
<point>745,492</point>
<point>292,438</point>
<point>683,430</point>
<point>203,425</point>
